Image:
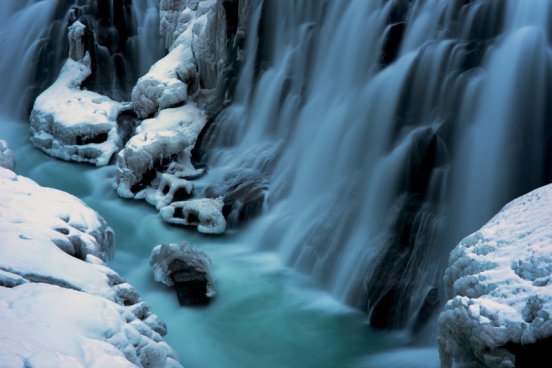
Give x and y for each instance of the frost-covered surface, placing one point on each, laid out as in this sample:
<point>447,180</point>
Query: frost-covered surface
<point>499,285</point>
<point>167,138</point>
<point>74,124</point>
<point>194,32</point>
<point>205,213</point>
<point>7,157</point>
<point>164,254</point>
<point>61,306</point>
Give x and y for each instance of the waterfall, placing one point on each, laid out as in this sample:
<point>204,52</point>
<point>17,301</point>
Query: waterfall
<point>381,132</point>
<point>126,44</point>
<point>22,24</point>
<point>376,133</point>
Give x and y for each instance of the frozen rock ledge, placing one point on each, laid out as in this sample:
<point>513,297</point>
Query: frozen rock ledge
<point>60,305</point>
<point>70,123</point>
<point>499,282</point>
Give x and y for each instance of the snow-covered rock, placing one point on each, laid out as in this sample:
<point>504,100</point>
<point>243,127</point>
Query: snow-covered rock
<point>195,35</point>
<point>185,268</point>
<point>161,144</point>
<point>60,305</point>
<point>203,213</point>
<point>499,282</point>
<point>7,157</point>
<point>71,123</point>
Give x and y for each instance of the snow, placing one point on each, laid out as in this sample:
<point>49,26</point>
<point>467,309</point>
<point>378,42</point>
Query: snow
<point>60,305</point>
<point>205,213</point>
<point>498,282</point>
<point>7,157</point>
<point>49,326</point>
<point>171,135</point>
<point>74,124</point>
<point>195,37</point>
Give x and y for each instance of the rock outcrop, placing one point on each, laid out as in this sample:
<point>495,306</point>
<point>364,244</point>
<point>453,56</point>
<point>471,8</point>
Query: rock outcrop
<point>7,157</point>
<point>179,93</point>
<point>185,268</point>
<point>70,123</point>
<point>195,35</point>
<point>53,277</point>
<point>499,285</point>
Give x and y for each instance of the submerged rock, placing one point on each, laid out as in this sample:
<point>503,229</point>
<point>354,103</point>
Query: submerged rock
<point>53,272</point>
<point>187,269</point>
<point>499,285</point>
<point>7,157</point>
<point>74,124</point>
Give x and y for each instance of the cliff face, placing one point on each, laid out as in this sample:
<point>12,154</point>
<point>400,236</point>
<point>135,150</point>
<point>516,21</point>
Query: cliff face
<point>498,285</point>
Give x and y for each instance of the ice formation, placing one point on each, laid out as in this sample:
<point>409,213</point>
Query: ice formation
<point>205,213</point>
<point>167,138</point>
<point>7,157</point>
<point>71,123</point>
<point>185,268</point>
<point>499,285</point>
<point>195,35</point>
<point>61,305</point>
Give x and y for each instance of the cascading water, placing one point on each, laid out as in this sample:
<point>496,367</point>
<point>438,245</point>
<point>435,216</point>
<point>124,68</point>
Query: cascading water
<point>22,25</point>
<point>384,132</point>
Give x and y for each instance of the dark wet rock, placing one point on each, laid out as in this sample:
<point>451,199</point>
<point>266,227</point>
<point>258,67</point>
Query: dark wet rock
<point>185,268</point>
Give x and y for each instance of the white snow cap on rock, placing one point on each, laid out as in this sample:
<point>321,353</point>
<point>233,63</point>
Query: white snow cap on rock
<point>74,124</point>
<point>163,254</point>
<point>499,282</point>
<point>194,33</point>
<point>7,157</point>
<point>60,305</point>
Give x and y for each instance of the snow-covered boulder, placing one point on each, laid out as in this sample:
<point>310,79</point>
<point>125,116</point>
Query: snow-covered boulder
<point>195,35</point>
<point>61,306</point>
<point>499,282</point>
<point>203,213</point>
<point>70,123</point>
<point>185,268</point>
<point>7,157</point>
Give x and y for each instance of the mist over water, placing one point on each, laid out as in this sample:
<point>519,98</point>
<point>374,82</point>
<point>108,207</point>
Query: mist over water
<point>385,131</point>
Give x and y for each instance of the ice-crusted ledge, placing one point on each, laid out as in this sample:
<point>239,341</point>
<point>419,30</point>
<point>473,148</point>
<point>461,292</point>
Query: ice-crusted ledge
<point>195,35</point>
<point>499,282</point>
<point>167,138</point>
<point>61,306</point>
<point>7,157</point>
<point>155,165</point>
<point>70,123</point>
